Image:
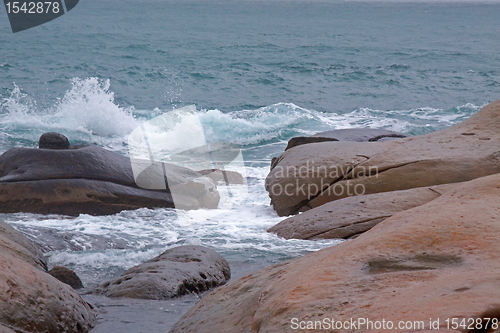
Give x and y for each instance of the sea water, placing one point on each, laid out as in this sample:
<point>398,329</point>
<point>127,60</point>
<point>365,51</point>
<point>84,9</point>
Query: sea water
<point>260,72</point>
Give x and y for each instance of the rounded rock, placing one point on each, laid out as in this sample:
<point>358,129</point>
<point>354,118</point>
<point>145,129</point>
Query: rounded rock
<point>67,276</point>
<point>53,140</point>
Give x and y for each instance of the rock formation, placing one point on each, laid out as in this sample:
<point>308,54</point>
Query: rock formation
<point>31,300</point>
<point>176,272</point>
<point>311,175</point>
<point>438,260</point>
<point>90,180</point>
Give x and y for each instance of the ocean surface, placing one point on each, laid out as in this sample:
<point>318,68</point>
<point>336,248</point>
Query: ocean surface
<point>259,72</point>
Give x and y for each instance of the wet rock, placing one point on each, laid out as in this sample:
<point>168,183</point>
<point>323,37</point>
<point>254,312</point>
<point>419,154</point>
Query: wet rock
<point>303,140</point>
<point>53,140</point>
<point>425,262</point>
<point>361,134</point>
<point>318,173</point>
<point>91,180</point>
<point>31,300</point>
<point>176,272</point>
<point>16,244</point>
<point>67,276</point>
<point>348,134</point>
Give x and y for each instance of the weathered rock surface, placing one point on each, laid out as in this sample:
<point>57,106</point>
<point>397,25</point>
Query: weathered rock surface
<point>352,216</point>
<point>90,180</point>
<point>16,244</point>
<point>176,272</point>
<point>53,140</point>
<point>30,299</point>
<point>67,276</point>
<point>438,260</point>
<point>318,173</point>
<point>348,134</point>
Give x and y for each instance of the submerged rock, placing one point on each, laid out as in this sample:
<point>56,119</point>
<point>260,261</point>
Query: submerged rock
<point>176,272</point>
<point>67,276</point>
<point>90,180</point>
<point>309,176</point>
<point>53,140</point>
<point>31,300</point>
<point>427,262</point>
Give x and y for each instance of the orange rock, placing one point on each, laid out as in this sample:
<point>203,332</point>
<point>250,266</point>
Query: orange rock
<point>434,262</point>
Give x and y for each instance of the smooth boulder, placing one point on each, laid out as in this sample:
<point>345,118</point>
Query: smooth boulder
<point>53,140</point>
<point>31,300</point>
<point>311,175</point>
<point>438,260</point>
<point>67,276</point>
<point>91,180</point>
<point>351,216</point>
<point>176,272</point>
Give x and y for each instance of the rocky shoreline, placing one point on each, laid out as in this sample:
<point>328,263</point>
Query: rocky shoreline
<point>421,237</point>
<point>425,238</point>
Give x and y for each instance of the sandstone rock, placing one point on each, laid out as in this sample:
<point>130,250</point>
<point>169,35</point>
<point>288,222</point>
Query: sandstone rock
<point>438,260</point>
<point>16,244</point>
<point>352,216</point>
<point>67,276</point>
<point>53,140</point>
<point>30,299</point>
<point>4,329</point>
<point>176,272</point>
<point>317,173</point>
<point>348,134</point>
<point>90,180</point>
<point>303,172</point>
<point>33,301</point>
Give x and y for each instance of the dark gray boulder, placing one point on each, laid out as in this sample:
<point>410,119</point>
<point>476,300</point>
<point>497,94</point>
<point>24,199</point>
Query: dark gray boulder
<point>67,276</point>
<point>91,180</point>
<point>176,272</point>
<point>53,140</point>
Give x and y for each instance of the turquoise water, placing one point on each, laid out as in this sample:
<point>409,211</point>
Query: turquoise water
<point>259,72</point>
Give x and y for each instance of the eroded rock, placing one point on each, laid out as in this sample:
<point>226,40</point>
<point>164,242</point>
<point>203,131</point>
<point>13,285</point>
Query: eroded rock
<point>426,262</point>
<point>354,215</point>
<point>318,173</point>
<point>176,272</point>
<point>91,180</point>
<point>31,300</point>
